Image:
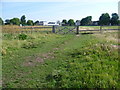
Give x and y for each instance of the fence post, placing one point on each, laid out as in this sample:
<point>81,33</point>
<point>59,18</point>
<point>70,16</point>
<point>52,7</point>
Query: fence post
<point>32,29</point>
<point>53,29</point>
<point>77,30</point>
<point>100,28</point>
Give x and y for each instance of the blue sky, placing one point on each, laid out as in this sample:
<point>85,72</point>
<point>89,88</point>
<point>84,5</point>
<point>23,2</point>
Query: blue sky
<point>53,11</point>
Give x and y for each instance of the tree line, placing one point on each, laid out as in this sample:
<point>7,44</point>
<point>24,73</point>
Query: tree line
<point>104,19</point>
<point>17,21</point>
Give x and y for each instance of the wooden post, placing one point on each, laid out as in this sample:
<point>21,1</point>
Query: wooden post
<point>100,28</point>
<point>32,29</point>
<point>77,30</point>
<point>53,29</point>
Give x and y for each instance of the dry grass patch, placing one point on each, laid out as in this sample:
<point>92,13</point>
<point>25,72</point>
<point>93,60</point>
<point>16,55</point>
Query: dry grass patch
<point>108,36</point>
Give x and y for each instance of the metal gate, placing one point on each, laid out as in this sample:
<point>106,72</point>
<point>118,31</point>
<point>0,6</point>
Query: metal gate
<point>64,29</point>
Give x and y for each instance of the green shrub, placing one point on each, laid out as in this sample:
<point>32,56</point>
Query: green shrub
<point>22,36</point>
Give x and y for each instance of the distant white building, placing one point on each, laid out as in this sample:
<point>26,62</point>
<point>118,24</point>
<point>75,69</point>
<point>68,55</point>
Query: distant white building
<point>77,23</point>
<point>95,23</point>
<point>45,23</point>
<point>52,24</point>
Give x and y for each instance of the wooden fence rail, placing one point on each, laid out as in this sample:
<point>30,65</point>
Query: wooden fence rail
<point>55,29</point>
<point>78,29</point>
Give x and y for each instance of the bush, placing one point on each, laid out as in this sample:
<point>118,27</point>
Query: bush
<point>22,36</point>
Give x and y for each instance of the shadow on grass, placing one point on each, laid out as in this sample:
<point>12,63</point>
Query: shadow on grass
<point>86,33</point>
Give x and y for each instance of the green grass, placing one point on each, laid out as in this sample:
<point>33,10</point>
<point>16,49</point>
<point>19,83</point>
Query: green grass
<point>60,61</point>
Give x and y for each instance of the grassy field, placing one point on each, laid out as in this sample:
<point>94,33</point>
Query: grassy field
<point>15,28</point>
<point>46,60</point>
<point>98,27</point>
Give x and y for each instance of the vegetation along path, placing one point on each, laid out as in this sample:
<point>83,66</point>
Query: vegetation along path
<point>53,60</point>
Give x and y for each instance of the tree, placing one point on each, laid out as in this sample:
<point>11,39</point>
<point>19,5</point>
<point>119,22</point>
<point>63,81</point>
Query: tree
<point>64,22</point>
<point>36,22</point>
<point>86,21</point>
<point>23,21</point>
<point>104,19</point>
<point>7,22</point>
<point>1,21</point>
<point>30,22</point>
<point>118,22</point>
<point>71,22</point>
<point>83,22</point>
<point>114,19</point>
<point>15,21</point>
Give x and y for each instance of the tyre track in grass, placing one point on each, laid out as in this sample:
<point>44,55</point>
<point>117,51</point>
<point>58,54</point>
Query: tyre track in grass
<point>40,58</point>
<point>32,62</point>
<point>22,66</point>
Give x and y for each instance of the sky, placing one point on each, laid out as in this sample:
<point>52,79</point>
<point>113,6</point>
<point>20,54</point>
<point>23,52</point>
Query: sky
<point>53,10</point>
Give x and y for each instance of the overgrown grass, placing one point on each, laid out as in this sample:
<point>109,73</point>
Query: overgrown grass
<point>91,67</point>
<point>98,27</point>
<point>29,29</point>
<point>60,61</point>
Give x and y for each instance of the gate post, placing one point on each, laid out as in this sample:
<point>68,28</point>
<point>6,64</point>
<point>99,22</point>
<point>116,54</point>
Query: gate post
<point>53,29</point>
<point>77,30</point>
